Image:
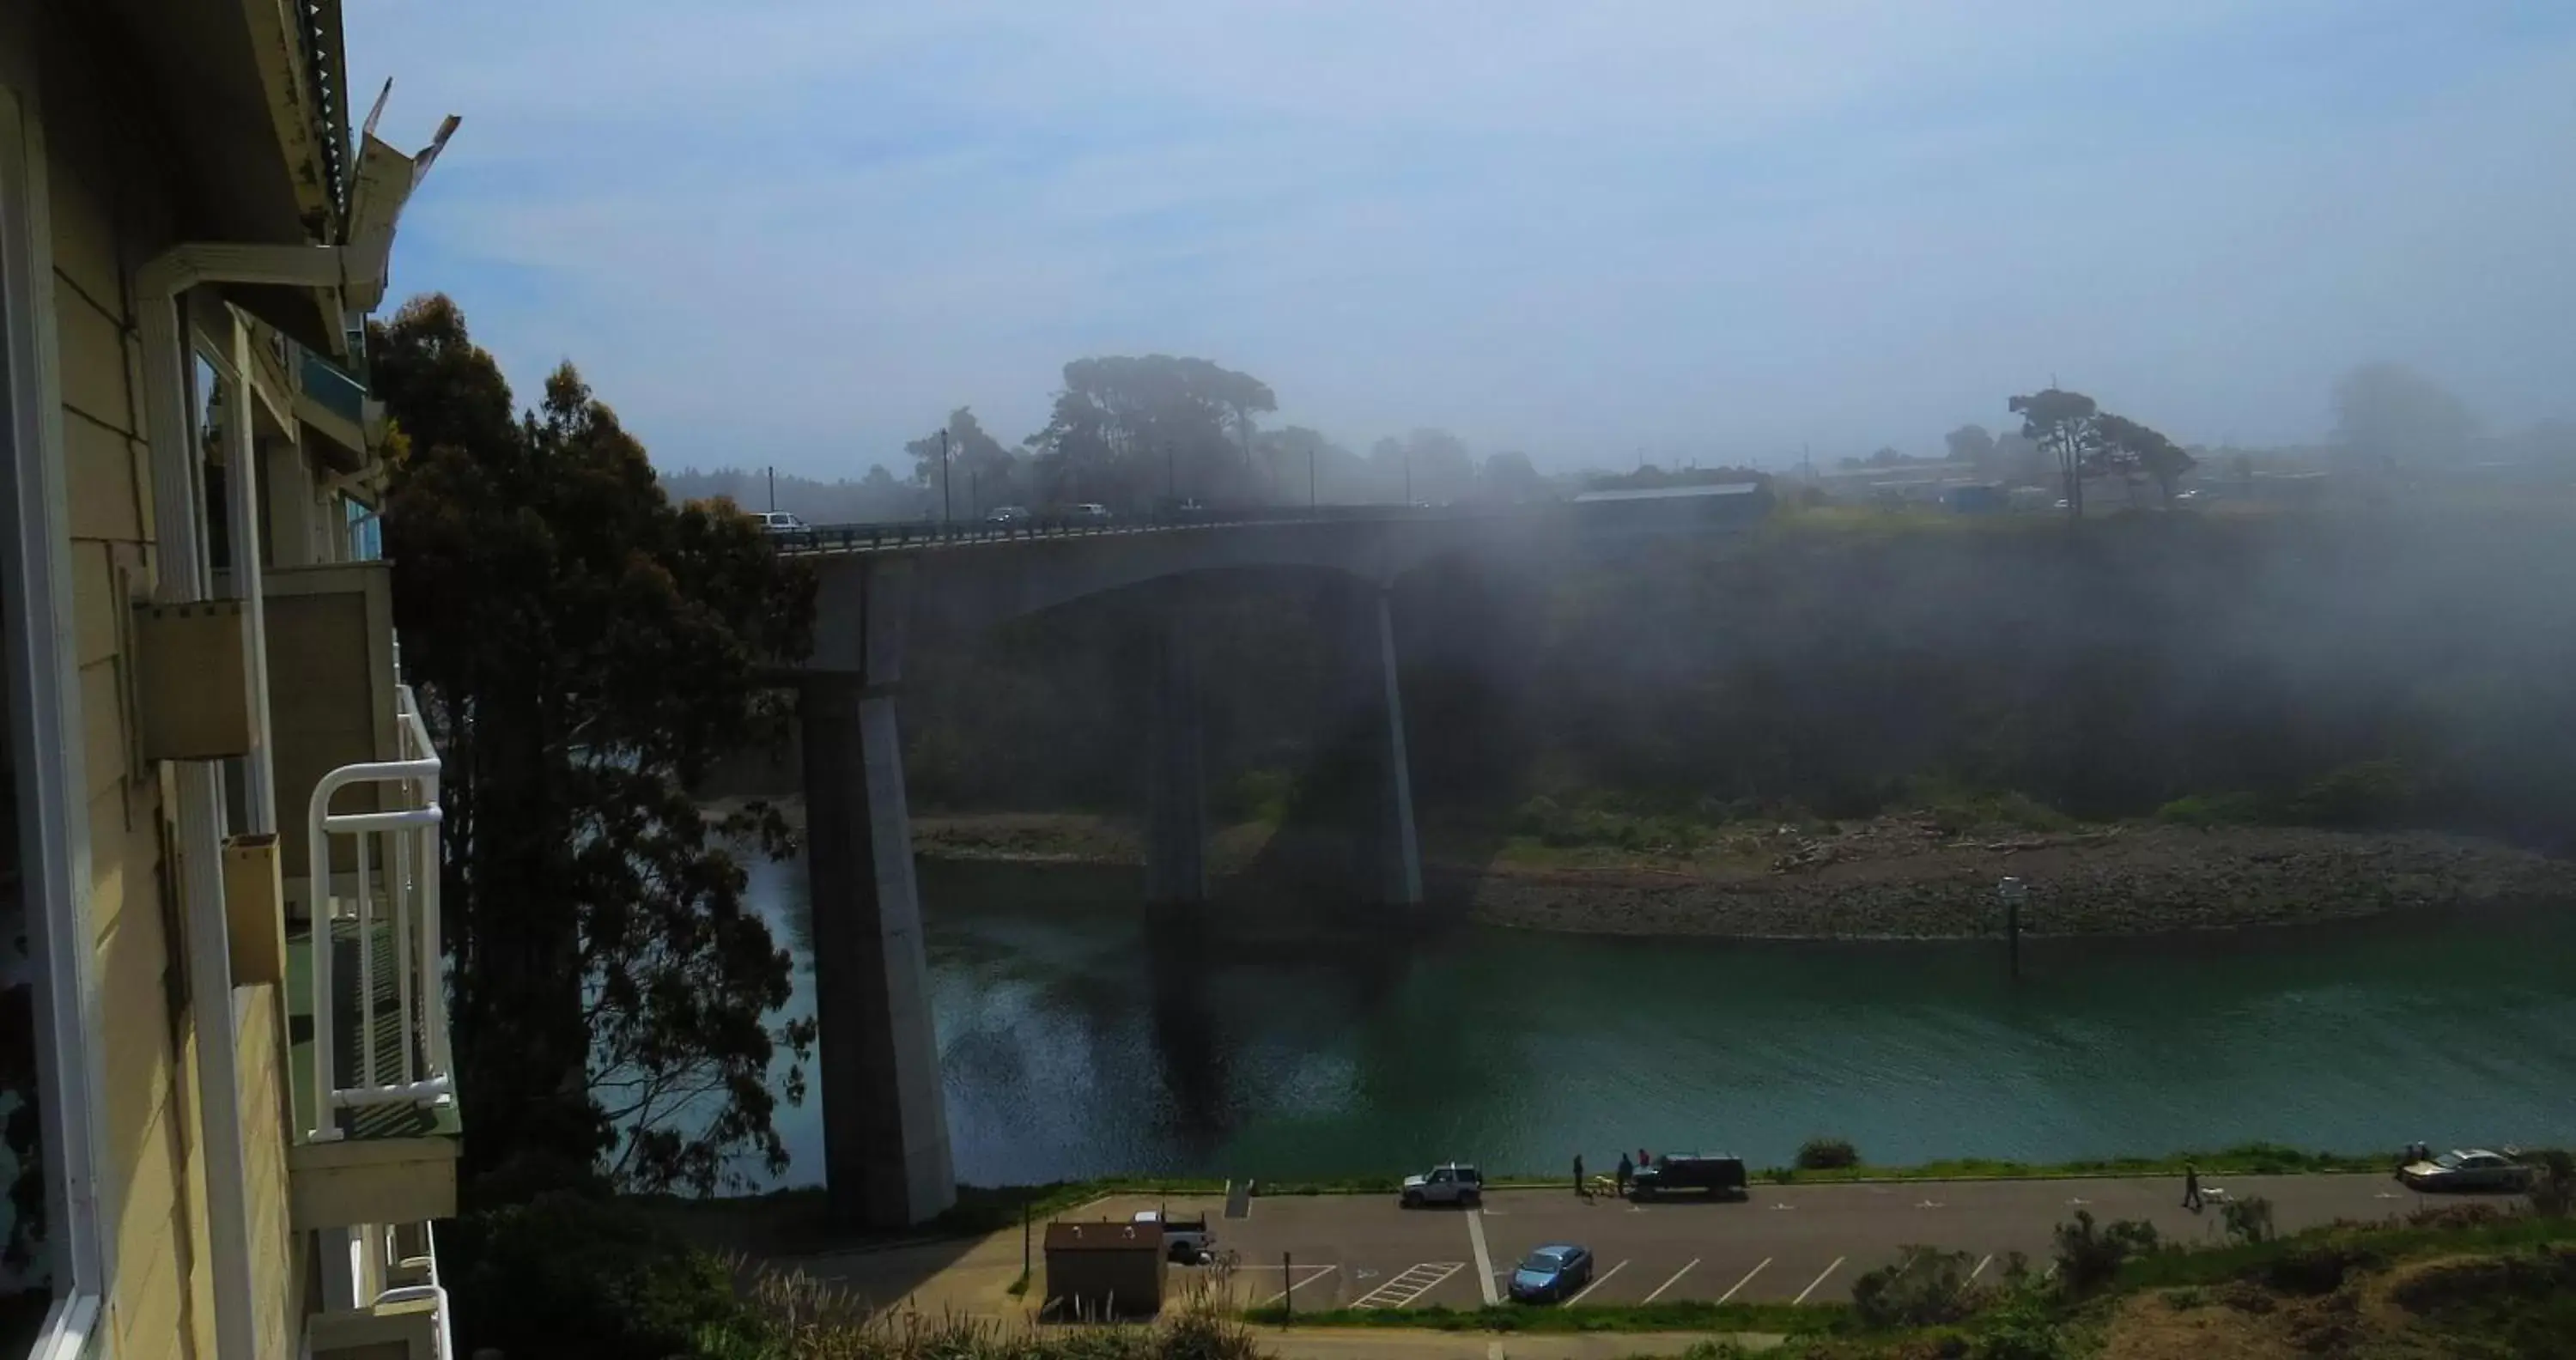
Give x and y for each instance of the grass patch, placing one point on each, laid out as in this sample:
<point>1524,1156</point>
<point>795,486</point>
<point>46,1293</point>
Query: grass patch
<point>2355,1245</point>
<point>2245,1159</point>
<point>1780,1318</point>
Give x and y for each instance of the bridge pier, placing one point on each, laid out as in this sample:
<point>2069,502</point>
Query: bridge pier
<point>1176,816</point>
<point>1389,852</point>
<point>886,1159</point>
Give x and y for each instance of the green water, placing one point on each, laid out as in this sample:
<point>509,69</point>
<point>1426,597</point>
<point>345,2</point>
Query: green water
<point>1282,1044</point>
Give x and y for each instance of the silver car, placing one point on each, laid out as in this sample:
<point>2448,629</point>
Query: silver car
<point>2466,1169</point>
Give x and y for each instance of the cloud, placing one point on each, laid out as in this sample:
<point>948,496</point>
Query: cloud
<point>797,232</point>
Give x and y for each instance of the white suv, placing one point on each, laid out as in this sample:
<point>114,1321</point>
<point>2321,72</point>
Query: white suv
<point>1451,1184</point>
<point>779,522</point>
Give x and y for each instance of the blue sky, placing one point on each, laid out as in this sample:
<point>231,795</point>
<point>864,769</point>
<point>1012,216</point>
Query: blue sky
<point>799,232</point>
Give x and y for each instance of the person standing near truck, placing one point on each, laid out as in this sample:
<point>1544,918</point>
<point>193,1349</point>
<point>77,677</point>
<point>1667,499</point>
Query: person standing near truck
<point>1626,1169</point>
<point>1578,1177</point>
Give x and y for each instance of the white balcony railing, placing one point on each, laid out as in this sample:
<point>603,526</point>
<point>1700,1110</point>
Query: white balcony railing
<point>392,906</point>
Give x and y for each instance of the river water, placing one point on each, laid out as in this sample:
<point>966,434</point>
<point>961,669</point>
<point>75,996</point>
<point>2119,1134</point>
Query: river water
<point>1288,1043</point>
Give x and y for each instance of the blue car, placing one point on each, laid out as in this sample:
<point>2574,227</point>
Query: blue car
<point>1551,1273</point>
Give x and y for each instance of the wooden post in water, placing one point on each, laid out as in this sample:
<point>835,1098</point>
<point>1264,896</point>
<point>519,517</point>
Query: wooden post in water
<point>2012,891</point>
<point>1288,1288</point>
<point>1026,1261</point>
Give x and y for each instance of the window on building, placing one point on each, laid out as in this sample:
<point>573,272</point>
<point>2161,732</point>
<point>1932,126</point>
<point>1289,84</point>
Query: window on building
<point>366,532</point>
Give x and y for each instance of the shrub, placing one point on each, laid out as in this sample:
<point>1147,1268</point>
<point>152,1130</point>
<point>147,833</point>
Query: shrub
<point>2249,1220</point>
<point>2316,1270</point>
<point>1827,1154</point>
<point>2364,794</point>
<point>1924,1288</point>
<point>2553,1190</point>
<point>2087,1256</point>
<point>2021,1329</point>
<point>2454,1216</point>
<point>575,1275</point>
<point>2214,809</point>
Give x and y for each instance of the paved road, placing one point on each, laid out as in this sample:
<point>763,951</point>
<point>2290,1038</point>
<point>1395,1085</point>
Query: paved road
<point>1783,1244</point>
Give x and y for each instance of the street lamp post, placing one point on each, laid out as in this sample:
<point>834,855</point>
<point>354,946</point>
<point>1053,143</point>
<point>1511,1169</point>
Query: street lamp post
<point>944,477</point>
<point>1310,476</point>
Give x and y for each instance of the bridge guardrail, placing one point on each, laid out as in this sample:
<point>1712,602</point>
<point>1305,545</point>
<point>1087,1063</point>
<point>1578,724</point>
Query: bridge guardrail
<point>842,538</point>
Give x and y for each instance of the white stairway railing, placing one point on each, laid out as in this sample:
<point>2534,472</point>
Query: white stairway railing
<point>395,853</point>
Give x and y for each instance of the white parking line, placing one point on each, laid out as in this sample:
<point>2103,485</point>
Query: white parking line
<point>1811,1284</point>
<point>1676,1279</point>
<point>1748,1279</point>
<point>1980,1270</point>
<point>1409,1284</point>
<point>1484,1261</point>
<point>1311,1273</point>
<point>1597,1282</point>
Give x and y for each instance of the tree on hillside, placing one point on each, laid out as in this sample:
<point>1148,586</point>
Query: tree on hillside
<point>1425,465</point>
<point>2137,451</point>
<point>1136,431</point>
<point>1302,464</point>
<point>583,649</point>
<point>2390,416</point>
<point>1973,445</point>
<point>978,471</point>
<point>2065,427</point>
<point>1509,475</point>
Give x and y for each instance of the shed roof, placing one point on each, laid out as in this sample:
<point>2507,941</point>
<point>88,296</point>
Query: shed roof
<point>1104,1236</point>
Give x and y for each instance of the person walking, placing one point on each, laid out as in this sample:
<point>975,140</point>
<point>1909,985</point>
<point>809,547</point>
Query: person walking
<point>1579,1187</point>
<point>2191,1187</point>
<point>1626,1169</point>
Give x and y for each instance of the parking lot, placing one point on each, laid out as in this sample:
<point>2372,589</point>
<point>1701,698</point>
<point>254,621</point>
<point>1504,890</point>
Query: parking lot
<point>1782,1244</point>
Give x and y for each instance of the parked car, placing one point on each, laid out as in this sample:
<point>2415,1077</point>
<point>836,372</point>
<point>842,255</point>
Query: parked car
<point>1092,510</point>
<point>1008,514</point>
<point>1551,1273</point>
<point>2468,1169</point>
<point>780,522</point>
<point>1451,1184</point>
<point>1721,1177</point>
<point>1186,1240</point>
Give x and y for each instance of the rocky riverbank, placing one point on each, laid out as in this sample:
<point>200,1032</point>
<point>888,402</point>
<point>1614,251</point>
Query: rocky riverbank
<point>1892,877</point>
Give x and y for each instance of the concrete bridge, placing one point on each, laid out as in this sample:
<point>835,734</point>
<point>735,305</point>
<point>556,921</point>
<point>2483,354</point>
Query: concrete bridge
<point>886,1149</point>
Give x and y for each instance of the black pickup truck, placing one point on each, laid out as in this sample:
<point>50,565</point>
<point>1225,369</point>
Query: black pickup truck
<point>1720,1177</point>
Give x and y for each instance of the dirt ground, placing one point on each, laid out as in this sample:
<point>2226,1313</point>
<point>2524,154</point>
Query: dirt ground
<point>2240,1322</point>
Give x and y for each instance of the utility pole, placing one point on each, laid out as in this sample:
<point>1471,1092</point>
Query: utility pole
<point>1171,477</point>
<point>1310,476</point>
<point>943,476</point>
<point>773,486</point>
<point>1408,475</point>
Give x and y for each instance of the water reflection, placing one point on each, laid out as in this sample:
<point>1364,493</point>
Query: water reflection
<point>1256,1039</point>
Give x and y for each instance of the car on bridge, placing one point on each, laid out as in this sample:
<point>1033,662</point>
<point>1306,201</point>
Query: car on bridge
<point>777,522</point>
<point>1008,514</point>
<point>1090,510</point>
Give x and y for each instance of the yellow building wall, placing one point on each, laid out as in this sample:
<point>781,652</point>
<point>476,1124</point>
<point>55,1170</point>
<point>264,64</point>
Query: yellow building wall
<point>106,196</point>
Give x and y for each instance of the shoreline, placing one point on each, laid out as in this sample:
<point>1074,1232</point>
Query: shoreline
<point>1891,878</point>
